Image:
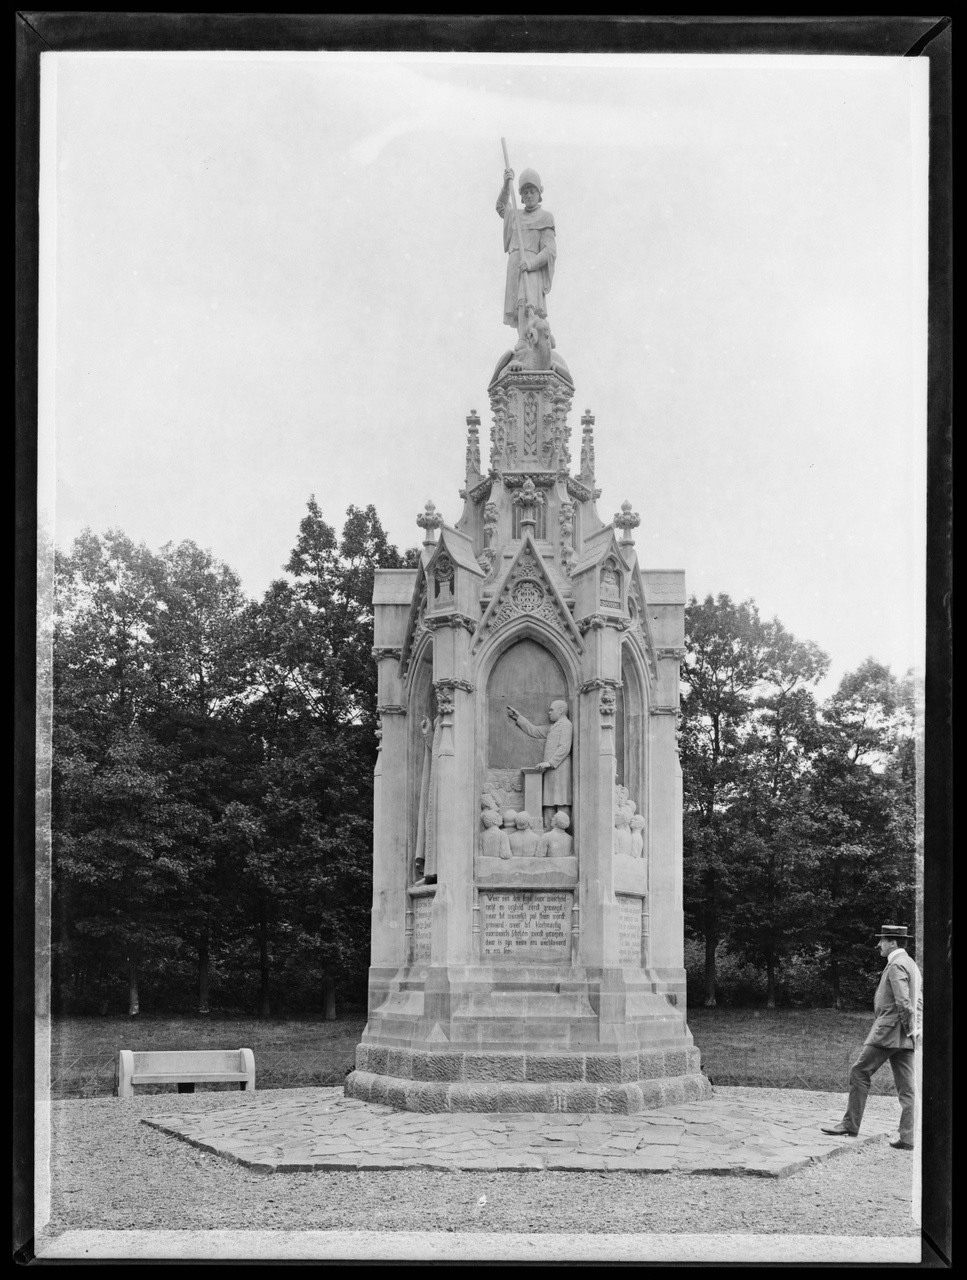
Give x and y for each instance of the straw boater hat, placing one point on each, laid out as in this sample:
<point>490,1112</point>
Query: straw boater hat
<point>895,932</point>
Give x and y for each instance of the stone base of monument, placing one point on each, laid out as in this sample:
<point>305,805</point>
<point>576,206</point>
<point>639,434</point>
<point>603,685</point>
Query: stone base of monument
<point>527,1038</point>
<point>611,1083</point>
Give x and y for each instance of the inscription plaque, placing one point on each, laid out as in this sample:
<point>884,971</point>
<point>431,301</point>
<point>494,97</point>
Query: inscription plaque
<point>421,928</point>
<point>629,930</point>
<point>535,925</point>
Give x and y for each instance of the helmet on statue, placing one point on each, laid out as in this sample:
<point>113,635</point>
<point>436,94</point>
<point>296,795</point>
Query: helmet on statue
<point>529,178</point>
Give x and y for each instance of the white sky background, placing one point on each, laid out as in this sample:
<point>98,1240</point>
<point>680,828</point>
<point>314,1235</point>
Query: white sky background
<point>267,276</point>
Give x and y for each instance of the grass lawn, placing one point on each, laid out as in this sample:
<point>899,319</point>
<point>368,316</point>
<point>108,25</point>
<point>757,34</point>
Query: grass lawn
<point>785,1048</point>
<point>288,1052</point>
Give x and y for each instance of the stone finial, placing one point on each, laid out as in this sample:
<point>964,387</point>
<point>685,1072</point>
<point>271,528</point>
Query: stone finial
<point>587,446</point>
<point>626,520</point>
<point>429,520</point>
<point>473,443</point>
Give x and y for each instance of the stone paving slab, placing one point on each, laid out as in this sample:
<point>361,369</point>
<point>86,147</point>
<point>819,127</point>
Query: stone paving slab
<point>289,1131</point>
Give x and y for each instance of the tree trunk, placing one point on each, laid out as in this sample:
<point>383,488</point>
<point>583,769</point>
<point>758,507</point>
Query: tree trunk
<point>265,1009</point>
<point>834,981</point>
<point>770,983</point>
<point>328,996</point>
<point>711,941</point>
<point>133,1008</point>
<point>203,972</point>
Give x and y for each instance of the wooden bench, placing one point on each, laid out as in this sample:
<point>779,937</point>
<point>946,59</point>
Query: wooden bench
<point>206,1066</point>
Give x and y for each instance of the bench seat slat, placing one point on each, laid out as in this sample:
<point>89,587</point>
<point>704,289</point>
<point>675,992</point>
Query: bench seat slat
<point>186,1077</point>
<point>200,1060</point>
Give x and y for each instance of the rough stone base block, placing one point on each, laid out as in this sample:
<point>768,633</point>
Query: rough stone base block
<point>528,1067</point>
<point>613,1084</point>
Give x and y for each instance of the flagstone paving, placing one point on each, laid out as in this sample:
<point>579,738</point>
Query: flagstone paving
<point>730,1133</point>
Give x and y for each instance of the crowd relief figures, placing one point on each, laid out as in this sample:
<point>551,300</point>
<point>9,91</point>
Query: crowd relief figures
<point>524,840</point>
<point>515,834</point>
<point>558,842</point>
<point>637,838</point>
<point>629,825</point>
<point>493,842</point>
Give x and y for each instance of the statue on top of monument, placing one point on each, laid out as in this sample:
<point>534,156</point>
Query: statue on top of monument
<point>556,765</point>
<point>531,229</point>
<point>531,248</point>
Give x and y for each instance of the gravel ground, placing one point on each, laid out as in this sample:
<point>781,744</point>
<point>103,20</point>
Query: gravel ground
<point>110,1172</point>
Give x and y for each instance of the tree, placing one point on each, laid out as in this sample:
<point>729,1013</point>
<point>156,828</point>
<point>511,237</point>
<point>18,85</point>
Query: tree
<point>724,645</point>
<point>775,813</point>
<point>863,796</point>
<point>199,690</point>
<point>143,672</point>
<point>308,879</point>
<point>745,715</point>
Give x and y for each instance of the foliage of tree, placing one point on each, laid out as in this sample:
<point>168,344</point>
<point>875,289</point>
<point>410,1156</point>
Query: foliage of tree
<point>213,758</point>
<point>798,818</point>
<point>212,780</point>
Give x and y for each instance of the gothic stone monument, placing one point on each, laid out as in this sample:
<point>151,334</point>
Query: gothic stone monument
<point>527,860</point>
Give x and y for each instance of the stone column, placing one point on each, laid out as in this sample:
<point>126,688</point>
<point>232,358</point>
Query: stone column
<point>392,593</point>
<point>598,946</point>
<point>457,809</point>
<point>665,592</point>
<point>389,831</point>
<point>665,867</point>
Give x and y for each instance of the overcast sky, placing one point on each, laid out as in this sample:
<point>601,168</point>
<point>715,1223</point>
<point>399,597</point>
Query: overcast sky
<point>270,276</point>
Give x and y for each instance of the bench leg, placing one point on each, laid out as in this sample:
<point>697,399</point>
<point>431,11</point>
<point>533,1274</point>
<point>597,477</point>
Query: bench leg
<point>243,1084</point>
<point>186,1088</point>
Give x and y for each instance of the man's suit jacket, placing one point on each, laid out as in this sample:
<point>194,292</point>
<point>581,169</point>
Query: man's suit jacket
<point>897,1004</point>
<point>557,753</point>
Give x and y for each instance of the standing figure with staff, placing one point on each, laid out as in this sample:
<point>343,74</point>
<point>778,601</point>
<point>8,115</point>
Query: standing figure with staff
<point>529,242</point>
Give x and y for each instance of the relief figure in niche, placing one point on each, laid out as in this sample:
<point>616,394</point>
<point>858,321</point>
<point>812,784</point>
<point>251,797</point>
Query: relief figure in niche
<point>557,843</point>
<point>493,841</point>
<point>443,579</point>
<point>637,837</point>
<point>622,832</point>
<point>426,826</point>
<point>610,587</point>
<point>524,841</point>
<point>556,765</point>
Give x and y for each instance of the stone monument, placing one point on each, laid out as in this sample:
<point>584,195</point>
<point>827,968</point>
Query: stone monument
<point>527,861</point>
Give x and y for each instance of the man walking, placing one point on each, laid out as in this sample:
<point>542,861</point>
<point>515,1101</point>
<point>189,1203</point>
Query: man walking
<point>896,1029</point>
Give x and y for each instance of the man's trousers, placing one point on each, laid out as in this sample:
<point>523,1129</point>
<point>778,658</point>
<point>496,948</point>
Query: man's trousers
<point>871,1058</point>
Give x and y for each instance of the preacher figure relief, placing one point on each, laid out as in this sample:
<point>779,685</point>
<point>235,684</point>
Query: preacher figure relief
<point>556,765</point>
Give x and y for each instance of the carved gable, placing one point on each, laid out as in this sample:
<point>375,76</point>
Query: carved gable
<point>640,627</point>
<point>600,578</point>
<point>416,622</point>
<point>527,591</point>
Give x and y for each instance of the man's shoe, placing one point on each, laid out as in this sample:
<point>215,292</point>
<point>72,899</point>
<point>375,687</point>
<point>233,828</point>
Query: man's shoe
<point>840,1131</point>
<point>902,1146</point>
